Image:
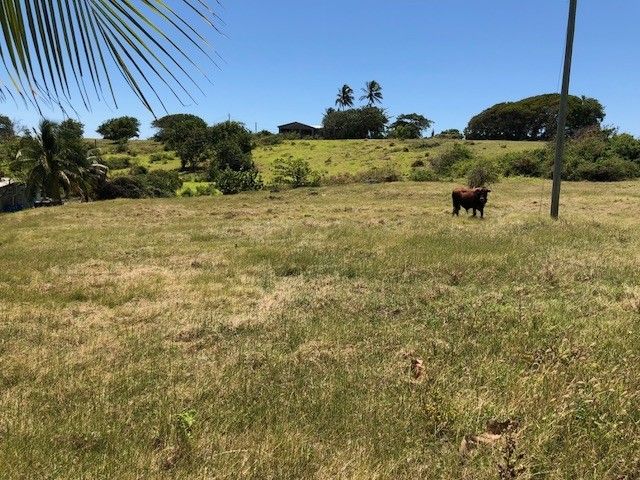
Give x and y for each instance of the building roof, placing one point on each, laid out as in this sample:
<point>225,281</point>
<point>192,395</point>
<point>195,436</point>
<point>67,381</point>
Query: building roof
<point>299,125</point>
<point>4,181</point>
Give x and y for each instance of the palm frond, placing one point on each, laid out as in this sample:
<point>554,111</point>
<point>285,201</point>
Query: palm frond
<point>52,51</point>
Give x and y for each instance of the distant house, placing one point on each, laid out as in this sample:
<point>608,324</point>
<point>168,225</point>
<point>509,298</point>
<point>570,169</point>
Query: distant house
<point>300,128</point>
<point>13,195</point>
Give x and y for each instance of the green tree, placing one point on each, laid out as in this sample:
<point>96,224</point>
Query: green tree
<point>194,149</point>
<point>533,118</point>
<point>120,129</point>
<point>372,93</point>
<point>173,129</point>
<point>231,131</point>
<point>62,49</point>
<point>410,125</point>
<point>58,163</point>
<point>345,97</point>
<point>452,133</point>
<point>7,129</point>
<point>365,122</point>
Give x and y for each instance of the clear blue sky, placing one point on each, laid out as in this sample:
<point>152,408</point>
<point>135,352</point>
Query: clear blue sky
<point>284,60</point>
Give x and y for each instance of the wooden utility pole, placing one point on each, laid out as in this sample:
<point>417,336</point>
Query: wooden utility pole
<point>564,106</point>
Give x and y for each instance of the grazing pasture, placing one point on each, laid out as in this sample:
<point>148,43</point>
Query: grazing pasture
<point>335,157</point>
<point>342,332</point>
<point>329,157</point>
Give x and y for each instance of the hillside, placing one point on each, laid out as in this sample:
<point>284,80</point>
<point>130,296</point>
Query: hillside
<point>271,335</point>
<point>333,157</point>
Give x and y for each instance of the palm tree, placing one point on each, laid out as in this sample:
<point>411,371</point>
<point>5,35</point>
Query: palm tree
<point>58,166</point>
<point>345,97</point>
<point>372,93</point>
<point>54,51</point>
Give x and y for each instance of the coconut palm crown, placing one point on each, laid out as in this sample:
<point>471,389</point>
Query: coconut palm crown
<point>55,50</point>
<point>372,93</point>
<point>345,97</point>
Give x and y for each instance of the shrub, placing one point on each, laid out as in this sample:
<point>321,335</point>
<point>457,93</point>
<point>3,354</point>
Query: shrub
<point>229,154</point>
<point>121,187</point>
<point>453,133</point>
<point>526,164</point>
<point>294,173</point>
<point>158,183</point>
<point>610,169</point>
<point>423,175</point>
<point>161,183</point>
<point>270,140</point>
<point>443,163</point>
<point>117,162</point>
<point>203,190</point>
<point>160,157</point>
<point>417,163</point>
<point>339,179</point>
<point>138,170</point>
<point>230,182</point>
<point>482,173</point>
<point>626,147</point>
<point>379,175</point>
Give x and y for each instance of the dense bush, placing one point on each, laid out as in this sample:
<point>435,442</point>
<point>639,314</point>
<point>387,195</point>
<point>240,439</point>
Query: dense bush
<point>230,182</point>
<point>204,190</point>
<point>482,173</point>
<point>229,154</point>
<point>595,155</point>
<point>294,173</point>
<point>626,146</point>
<point>422,174</point>
<point>611,169</point>
<point>379,175</point>
<point>533,163</point>
<point>160,157</point>
<point>452,133</point>
<point>121,187</point>
<point>117,162</point>
<point>270,140</point>
<point>157,183</point>
<point>444,163</point>
<point>162,183</point>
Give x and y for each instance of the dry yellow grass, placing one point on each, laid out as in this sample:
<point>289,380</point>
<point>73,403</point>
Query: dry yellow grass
<point>270,335</point>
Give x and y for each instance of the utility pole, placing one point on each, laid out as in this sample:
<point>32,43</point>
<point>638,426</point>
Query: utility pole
<point>564,106</point>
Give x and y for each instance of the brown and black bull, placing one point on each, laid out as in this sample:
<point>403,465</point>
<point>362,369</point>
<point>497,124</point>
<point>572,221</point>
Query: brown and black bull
<point>474,198</point>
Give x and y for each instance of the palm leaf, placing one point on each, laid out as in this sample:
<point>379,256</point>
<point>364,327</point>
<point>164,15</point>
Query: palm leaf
<point>52,51</point>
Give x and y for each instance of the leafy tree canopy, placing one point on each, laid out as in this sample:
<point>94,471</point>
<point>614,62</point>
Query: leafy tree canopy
<point>409,125</point>
<point>7,129</point>
<point>120,129</point>
<point>355,123</point>
<point>533,118</point>
<point>174,129</point>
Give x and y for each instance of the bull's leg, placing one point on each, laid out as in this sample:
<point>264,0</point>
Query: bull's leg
<point>482,212</point>
<point>474,212</point>
<point>456,208</point>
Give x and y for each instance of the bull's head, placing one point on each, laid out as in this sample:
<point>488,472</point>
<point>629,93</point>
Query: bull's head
<point>482,194</point>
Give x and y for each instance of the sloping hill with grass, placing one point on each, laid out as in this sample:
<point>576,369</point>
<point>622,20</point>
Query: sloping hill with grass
<point>335,157</point>
<point>342,332</point>
<point>329,157</point>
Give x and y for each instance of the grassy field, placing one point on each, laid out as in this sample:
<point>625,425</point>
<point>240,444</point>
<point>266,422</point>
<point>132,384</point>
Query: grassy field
<point>271,335</point>
<point>333,157</point>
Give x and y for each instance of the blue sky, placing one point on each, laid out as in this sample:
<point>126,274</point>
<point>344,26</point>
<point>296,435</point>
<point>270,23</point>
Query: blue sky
<point>285,60</point>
